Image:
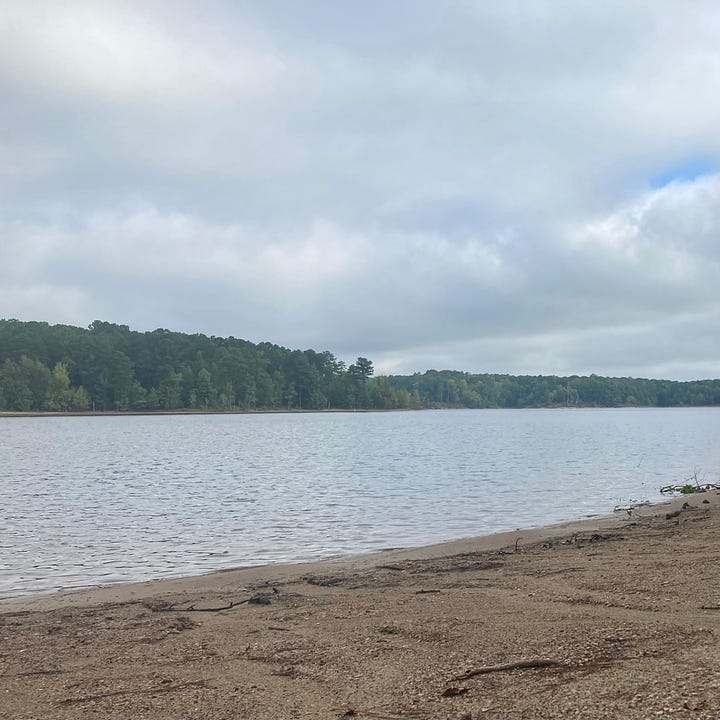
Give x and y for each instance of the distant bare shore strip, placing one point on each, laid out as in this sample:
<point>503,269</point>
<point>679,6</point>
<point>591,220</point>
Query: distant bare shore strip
<point>300,411</point>
<point>187,411</point>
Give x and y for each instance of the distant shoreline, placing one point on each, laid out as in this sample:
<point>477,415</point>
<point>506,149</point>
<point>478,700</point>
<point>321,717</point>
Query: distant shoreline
<point>333,411</point>
<point>116,413</point>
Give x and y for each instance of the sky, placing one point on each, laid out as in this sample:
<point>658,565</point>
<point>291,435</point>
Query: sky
<point>524,187</point>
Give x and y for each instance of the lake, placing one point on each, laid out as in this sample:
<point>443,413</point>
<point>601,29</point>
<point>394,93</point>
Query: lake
<point>98,500</point>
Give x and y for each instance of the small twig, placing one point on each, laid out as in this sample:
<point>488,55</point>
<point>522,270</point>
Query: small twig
<point>516,544</point>
<point>148,691</point>
<point>521,664</point>
<point>192,608</point>
<point>425,592</point>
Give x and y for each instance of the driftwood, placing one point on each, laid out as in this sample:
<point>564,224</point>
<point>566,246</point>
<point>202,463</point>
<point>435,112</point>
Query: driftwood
<point>689,489</point>
<point>520,665</point>
<point>258,599</point>
<point>192,608</point>
<point>693,484</point>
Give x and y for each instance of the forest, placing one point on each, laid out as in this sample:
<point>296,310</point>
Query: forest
<point>108,367</point>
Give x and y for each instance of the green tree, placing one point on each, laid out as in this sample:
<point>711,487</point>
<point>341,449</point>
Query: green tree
<point>364,368</point>
<point>359,373</point>
<point>79,399</point>
<point>204,390</point>
<point>169,392</point>
<point>59,396</point>
<point>17,392</point>
<point>137,396</point>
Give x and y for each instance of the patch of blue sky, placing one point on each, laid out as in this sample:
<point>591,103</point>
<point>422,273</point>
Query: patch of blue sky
<point>687,171</point>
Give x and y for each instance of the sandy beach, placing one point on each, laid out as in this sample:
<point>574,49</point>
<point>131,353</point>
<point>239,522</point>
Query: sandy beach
<point>612,617</point>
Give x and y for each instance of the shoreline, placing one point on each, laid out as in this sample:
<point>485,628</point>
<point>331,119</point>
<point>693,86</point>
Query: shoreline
<point>325,411</point>
<point>191,411</point>
<point>589,618</point>
<point>215,579</point>
<point>494,540</point>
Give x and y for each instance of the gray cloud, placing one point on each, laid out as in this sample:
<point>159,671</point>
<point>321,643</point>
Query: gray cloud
<point>460,185</point>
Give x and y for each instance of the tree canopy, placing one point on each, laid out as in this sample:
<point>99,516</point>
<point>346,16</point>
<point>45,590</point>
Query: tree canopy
<point>109,367</point>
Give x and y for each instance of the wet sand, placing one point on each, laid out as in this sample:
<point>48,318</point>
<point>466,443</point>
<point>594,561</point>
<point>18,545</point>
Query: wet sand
<point>606,618</point>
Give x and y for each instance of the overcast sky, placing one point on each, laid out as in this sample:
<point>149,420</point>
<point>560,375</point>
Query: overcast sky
<point>519,186</point>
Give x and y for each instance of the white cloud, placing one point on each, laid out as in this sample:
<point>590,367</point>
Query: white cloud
<point>465,183</point>
<point>121,52</point>
<point>673,348</point>
<point>667,238</point>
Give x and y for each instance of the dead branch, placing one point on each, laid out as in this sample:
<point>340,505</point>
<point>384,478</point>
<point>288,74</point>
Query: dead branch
<point>689,489</point>
<point>257,599</point>
<point>520,665</point>
<point>192,608</point>
<point>148,691</point>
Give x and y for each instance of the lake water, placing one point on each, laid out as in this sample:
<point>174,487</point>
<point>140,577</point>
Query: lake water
<point>97,500</point>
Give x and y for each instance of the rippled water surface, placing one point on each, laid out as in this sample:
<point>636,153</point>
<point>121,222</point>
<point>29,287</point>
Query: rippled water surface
<point>95,500</point>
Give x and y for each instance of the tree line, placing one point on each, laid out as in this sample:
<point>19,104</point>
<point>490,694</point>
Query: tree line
<point>449,388</point>
<point>108,367</point>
